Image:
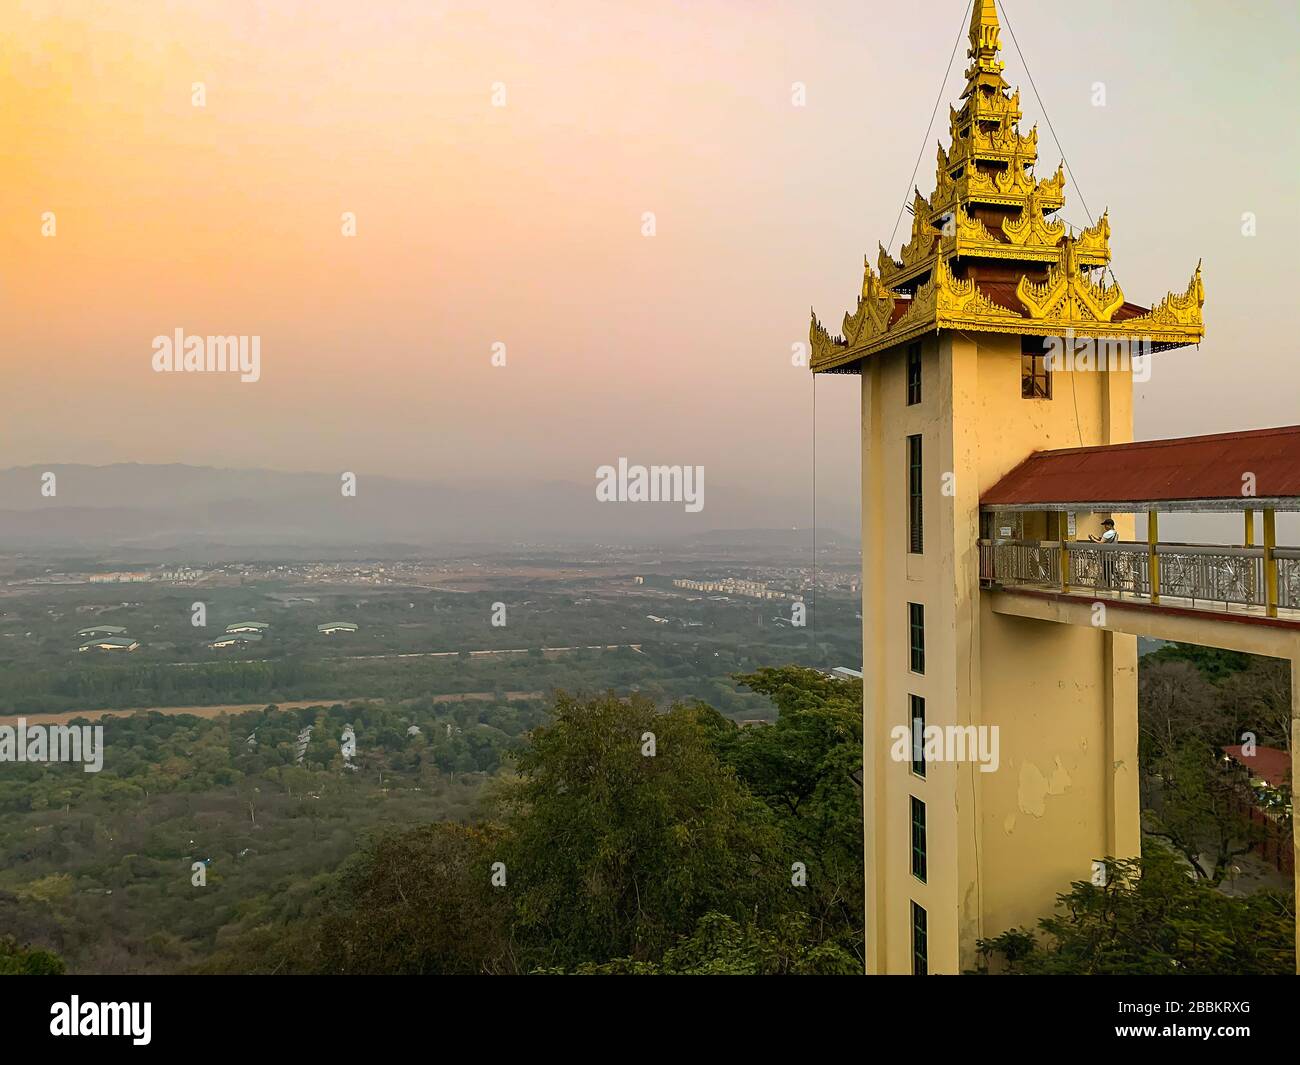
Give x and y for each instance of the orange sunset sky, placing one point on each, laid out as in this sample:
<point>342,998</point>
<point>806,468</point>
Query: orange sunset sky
<point>522,224</point>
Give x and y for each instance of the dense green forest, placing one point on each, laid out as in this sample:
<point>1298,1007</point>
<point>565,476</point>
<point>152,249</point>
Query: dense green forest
<point>714,826</point>
<point>609,834</point>
<point>629,839</point>
<point>98,866</point>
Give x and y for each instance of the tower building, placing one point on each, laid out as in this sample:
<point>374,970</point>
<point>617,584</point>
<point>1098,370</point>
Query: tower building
<point>996,334</point>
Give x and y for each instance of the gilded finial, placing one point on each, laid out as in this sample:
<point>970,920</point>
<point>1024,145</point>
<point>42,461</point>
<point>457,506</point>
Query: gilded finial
<point>985,32</point>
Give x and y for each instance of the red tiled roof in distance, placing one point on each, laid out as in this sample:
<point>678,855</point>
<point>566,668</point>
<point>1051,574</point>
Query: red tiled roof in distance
<point>1154,471</point>
<point>1269,764</point>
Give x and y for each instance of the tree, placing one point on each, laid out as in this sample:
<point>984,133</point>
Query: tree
<point>1152,918</point>
<point>611,852</point>
<point>1261,698</point>
<point>1215,662</point>
<point>808,767</point>
<point>1176,701</point>
<point>24,961</point>
<point>721,946</point>
<point>1197,809</point>
<point>410,903</point>
<point>418,903</point>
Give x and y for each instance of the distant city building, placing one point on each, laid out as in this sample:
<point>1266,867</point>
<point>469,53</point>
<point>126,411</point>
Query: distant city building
<point>181,573</point>
<point>732,586</point>
<point>248,626</point>
<point>657,620</point>
<point>118,577</point>
<point>102,630</point>
<point>331,627</point>
<point>111,643</point>
<point>847,674</point>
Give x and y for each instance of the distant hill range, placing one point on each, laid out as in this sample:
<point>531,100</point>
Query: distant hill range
<point>147,508</point>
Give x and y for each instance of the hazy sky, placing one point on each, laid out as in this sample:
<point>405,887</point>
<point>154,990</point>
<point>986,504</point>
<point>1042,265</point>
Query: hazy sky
<point>523,224</point>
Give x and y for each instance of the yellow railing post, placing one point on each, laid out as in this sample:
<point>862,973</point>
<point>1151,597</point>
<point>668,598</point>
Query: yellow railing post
<point>1249,540</point>
<point>1063,536</point>
<point>1153,560</point>
<point>1270,563</point>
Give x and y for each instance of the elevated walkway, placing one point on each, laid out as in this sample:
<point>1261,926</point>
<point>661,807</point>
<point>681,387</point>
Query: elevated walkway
<point>1244,597</point>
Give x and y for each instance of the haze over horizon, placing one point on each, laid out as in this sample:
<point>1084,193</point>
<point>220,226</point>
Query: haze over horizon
<point>178,508</point>
<point>522,224</point>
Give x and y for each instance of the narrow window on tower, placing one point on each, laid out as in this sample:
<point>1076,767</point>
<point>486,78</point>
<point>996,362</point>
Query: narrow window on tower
<point>913,374</point>
<point>916,707</point>
<point>915,504</point>
<point>918,839</point>
<point>916,630</point>
<point>920,965</point>
<point>1035,373</point>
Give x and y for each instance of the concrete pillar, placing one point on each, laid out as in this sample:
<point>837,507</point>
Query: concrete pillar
<point>875,731</point>
<point>1123,807</point>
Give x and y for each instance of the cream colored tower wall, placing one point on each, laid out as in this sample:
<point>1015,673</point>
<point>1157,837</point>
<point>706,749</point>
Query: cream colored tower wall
<point>1000,844</point>
<point>1064,698</point>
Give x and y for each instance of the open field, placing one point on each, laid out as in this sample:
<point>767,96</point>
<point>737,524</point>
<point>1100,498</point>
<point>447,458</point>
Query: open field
<point>242,708</point>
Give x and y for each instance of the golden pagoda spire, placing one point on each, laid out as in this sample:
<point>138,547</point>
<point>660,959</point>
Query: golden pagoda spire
<point>984,29</point>
<point>988,223</point>
<point>985,43</point>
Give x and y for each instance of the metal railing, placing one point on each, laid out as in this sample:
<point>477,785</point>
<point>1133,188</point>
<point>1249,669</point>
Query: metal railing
<point>1114,567</point>
<point>1191,572</point>
<point>1020,561</point>
<point>1288,576</point>
<point>1214,574</point>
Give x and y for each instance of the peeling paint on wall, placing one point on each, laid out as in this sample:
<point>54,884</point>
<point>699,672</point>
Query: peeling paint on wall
<point>1034,787</point>
<point>1032,794</point>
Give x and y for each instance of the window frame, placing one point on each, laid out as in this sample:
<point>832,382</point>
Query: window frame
<point>920,940</point>
<point>915,702</point>
<point>914,374</point>
<point>920,854</point>
<point>916,638</point>
<point>915,495</point>
<point>1035,373</point>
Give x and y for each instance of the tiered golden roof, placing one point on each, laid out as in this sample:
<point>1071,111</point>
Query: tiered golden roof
<point>985,252</point>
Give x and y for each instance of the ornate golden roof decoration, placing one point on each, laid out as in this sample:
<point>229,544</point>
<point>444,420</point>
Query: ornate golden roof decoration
<point>1094,242</point>
<point>987,107</point>
<point>960,299</point>
<point>1001,145</point>
<point>969,228</point>
<point>1031,228</point>
<point>1179,312</point>
<point>924,235</point>
<point>875,308</point>
<point>1068,295</point>
<point>825,348</point>
<point>1010,187</point>
<point>989,207</point>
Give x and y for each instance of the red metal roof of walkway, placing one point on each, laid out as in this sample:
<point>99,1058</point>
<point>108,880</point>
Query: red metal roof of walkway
<point>1192,469</point>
